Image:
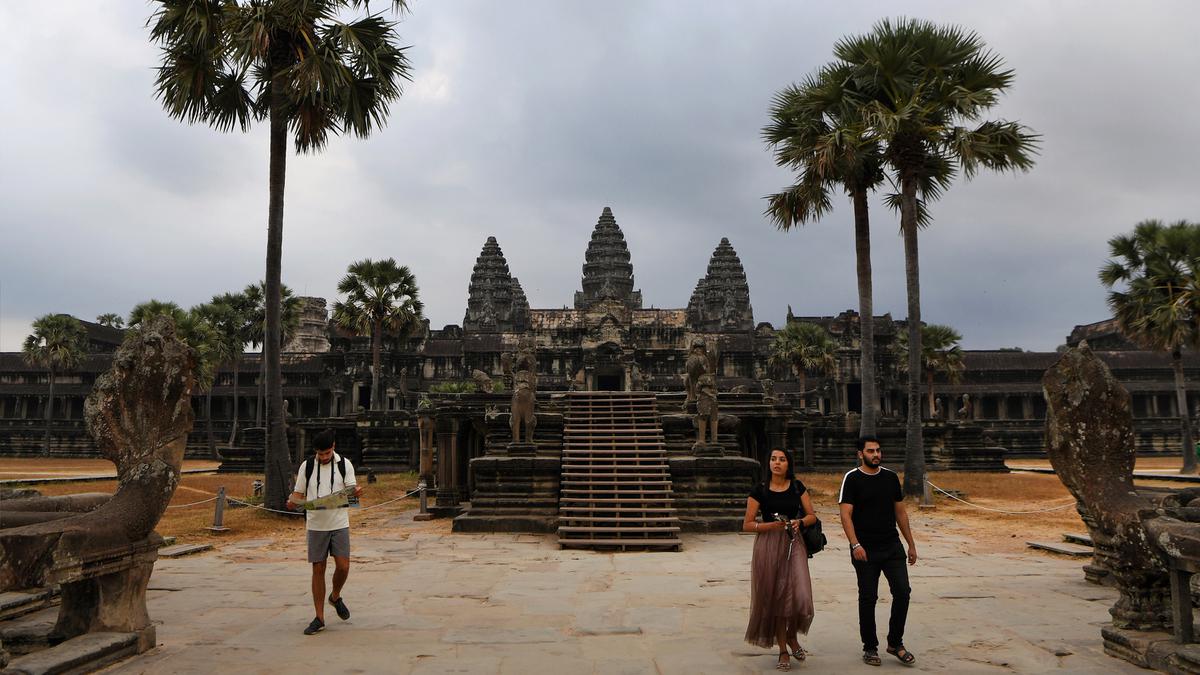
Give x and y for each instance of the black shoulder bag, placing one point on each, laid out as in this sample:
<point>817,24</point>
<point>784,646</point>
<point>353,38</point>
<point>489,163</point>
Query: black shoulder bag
<point>814,538</point>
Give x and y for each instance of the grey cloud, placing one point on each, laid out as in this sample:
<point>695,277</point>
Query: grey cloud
<point>524,121</point>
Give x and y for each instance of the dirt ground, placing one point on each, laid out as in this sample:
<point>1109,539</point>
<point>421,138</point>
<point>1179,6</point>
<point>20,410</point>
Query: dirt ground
<point>188,520</point>
<point>1024,496</point>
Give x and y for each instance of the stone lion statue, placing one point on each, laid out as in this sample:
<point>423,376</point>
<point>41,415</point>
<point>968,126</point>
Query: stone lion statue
<point>483,382</point>
<point>522,406</point>
<point>699,361</point>
<point>706,409</point>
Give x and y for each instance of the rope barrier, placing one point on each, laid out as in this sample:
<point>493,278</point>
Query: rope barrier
<point>184,506</point>
<point>290,513</point>
<point>1011,513</point>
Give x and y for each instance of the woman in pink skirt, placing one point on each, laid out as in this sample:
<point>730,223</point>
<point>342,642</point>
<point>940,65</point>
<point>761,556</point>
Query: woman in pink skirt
<point>781,603</point>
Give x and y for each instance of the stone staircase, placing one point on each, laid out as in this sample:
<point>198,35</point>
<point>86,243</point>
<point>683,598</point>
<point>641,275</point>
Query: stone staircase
<point>616,484</point>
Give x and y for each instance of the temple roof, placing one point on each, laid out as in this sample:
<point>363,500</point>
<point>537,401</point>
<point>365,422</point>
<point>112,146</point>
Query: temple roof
<point>607,272</point>
<point>495,300</point>
<point>721,300</point>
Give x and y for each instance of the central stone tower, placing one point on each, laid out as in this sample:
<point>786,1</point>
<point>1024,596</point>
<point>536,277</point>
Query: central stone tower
<point>607,272</point>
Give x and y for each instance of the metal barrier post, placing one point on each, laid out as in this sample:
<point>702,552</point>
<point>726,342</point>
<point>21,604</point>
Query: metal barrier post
<point>219,512</point>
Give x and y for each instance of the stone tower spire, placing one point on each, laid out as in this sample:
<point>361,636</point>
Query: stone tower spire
<point>721,300</point>
<point>495,300</point>
<point>607,272</point>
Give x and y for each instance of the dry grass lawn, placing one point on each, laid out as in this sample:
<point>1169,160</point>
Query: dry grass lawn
<point>990,530</point>
<point>190,523</point>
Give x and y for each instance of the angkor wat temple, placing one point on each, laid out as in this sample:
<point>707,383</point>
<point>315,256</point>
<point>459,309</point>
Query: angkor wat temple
<point>607,341</point>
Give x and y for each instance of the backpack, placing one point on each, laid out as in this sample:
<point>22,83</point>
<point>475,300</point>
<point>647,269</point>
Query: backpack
<point>310,465</point>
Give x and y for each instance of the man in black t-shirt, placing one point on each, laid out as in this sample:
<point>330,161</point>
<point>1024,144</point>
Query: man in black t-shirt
<point>872,506</point>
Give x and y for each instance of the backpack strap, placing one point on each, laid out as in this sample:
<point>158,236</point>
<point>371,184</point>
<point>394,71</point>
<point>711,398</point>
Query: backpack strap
<point>308,472</point>
<point>341,464</point>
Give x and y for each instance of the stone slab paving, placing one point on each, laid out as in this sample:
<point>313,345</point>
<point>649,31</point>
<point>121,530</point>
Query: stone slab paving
<point>505,603</point>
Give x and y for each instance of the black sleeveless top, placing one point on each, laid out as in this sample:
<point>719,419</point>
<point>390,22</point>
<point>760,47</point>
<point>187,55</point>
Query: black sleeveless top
<point>786,503</point>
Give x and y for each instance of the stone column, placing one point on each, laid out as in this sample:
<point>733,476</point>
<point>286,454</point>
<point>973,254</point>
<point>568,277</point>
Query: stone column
<point>448,489</point>
<point>1027,407</point>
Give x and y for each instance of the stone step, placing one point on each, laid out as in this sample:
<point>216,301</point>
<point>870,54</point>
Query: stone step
<point>1061,548</point>
<point>182,550</point>
<point>628,474</point>
<point>619,519</point>
<point>672,543</point>
<point>619,509</point>
<point>84,654</point>
<point>20,603</point>
<point>1081,539</point>
<point>607,529</point>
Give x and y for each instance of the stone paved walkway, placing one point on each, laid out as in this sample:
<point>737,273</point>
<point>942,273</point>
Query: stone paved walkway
<point>440,603</point>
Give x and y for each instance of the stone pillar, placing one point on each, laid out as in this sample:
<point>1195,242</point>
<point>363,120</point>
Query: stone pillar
<point>1027,407</point>
<point>353,398</point>
<point>449,492</point>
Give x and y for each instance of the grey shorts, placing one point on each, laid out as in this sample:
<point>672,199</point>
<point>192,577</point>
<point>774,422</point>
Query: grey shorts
<point>323,543</point>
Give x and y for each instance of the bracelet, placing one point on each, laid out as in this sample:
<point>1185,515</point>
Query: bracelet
<point>756,526</point>
<point>854,546</point>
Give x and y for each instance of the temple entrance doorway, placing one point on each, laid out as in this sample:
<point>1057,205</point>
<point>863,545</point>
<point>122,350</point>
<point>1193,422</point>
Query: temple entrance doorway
<point>609,382</point>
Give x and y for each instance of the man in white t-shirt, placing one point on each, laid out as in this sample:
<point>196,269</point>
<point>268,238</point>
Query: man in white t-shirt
<point>328,530</point>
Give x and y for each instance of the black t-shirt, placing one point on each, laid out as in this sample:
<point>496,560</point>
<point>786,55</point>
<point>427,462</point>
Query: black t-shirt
<point>874,497</point>
<point>786,503</point>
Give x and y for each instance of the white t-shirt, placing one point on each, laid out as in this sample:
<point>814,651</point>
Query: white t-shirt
<point>329,480</point>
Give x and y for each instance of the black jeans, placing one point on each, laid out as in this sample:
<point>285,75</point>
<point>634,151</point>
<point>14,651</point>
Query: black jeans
<point>892,561</point>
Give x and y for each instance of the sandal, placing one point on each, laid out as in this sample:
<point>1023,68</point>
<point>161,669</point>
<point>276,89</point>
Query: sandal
<point>903,654</point>
<point>871,657</point>
<point>783,664</point>
<point>798,653</point>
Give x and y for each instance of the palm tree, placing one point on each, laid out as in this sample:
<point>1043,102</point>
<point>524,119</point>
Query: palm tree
<point>919,84</point>
<point>804,347</point>
<point>1158,310</point>
<point>58,342</point>
<point>111,320</point>
<point>817,129</point>
<point>240,330</point>
<point>299,66</point>
<point>940,355</point>
<point>256,329</point>
<point>224,345</point>
<point>380,296</point>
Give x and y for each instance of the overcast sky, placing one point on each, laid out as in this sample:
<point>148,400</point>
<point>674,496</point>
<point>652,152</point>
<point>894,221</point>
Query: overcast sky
<point>525,119</point>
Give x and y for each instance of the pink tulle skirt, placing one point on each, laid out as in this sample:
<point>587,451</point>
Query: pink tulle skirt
<point>780,589</point>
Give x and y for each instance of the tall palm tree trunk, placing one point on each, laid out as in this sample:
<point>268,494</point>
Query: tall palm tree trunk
<point>261,387</point>
<point>237,362</point>
<point>929,393</point>
<point>278,463</point>
<point>212,442</point>
<point>914,443</point>
<point>866,318</point>
<point>1185,417</point>
<point>376,348</point>
<point>49,413</point>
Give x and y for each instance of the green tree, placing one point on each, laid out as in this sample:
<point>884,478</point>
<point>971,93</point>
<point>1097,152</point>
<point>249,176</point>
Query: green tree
<point>1157,267</point>
<point>111,320</point>
<point>241,329</point>
<point>289,314</point>
<point>381,296</point>
<point>309,73</point>
<point>817,129</point>
<point>58,343</point>
<point>223,337</point>
<point>940,355</point>
<point>924,89</point>
<point>804,347</point>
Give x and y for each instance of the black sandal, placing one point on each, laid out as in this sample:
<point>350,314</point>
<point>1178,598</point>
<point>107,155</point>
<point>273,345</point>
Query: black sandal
<point>871,657</point>
<point>903,654</point>
<point>783,664</point>
<point>798,653</point>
